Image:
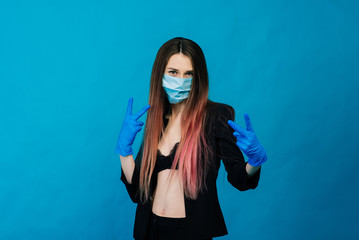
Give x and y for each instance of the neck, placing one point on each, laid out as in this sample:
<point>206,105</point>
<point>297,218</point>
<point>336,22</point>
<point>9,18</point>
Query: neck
<point>177,109</point>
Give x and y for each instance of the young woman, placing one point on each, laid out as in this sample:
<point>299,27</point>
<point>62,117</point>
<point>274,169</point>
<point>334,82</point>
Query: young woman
<point>173,179</point>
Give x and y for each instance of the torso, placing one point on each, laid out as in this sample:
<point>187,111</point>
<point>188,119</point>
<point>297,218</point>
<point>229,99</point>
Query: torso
<point>168,197</point>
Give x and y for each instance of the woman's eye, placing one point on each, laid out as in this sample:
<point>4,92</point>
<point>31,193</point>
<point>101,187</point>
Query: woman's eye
<point>172,72</point>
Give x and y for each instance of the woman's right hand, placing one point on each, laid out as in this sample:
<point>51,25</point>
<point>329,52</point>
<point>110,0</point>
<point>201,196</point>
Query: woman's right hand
<point>130,127</point>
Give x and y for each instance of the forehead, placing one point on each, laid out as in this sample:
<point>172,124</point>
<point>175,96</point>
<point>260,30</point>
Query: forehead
<point>179,61</point>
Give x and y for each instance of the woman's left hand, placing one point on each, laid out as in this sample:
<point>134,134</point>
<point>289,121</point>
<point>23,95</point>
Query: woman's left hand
<point>248,142</point>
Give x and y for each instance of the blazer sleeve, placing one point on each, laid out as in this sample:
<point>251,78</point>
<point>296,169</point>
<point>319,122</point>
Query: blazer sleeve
<point>133,188</point>
<point>231,154</point>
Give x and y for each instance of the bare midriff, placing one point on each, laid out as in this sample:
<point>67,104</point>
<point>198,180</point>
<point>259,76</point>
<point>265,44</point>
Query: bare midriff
<point>168,197</point>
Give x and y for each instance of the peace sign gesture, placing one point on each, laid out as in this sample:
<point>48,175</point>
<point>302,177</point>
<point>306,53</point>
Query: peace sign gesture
<point>248,142</point>
<point>130,127</point>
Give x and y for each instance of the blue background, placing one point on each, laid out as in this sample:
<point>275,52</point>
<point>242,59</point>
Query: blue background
<point>67,69</point>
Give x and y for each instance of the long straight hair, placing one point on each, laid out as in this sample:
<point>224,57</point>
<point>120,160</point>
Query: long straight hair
<point>192,156</point>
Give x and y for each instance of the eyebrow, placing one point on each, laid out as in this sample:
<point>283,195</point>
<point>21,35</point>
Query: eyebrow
<point>177,69</point>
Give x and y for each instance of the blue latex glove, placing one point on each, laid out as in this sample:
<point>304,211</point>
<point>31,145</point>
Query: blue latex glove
<point>130,127</point>
<point>248,142</point>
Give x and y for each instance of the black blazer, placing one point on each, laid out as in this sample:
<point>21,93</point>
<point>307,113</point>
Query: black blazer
<point>204,218</point>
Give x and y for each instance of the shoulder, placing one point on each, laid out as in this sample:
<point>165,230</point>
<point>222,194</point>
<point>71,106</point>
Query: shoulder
<point>217,116</point>
<point>219,110</point>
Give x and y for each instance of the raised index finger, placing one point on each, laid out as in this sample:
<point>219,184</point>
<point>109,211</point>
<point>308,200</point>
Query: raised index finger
<point>248,122</point>
<point>141,112</point>
<point>129,106</point>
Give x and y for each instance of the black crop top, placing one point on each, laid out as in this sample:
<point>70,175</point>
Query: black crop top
<point>165,162</point>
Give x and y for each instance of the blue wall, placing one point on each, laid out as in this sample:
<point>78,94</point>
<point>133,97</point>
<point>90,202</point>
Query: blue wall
<point>67,69</point>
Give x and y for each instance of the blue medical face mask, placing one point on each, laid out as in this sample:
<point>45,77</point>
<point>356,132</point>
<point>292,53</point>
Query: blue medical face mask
<point>177,89</point>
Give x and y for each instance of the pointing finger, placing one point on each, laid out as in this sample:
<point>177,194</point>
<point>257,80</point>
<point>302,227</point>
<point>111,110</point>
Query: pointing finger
<point>141,112</point>
<point>236,127</point>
